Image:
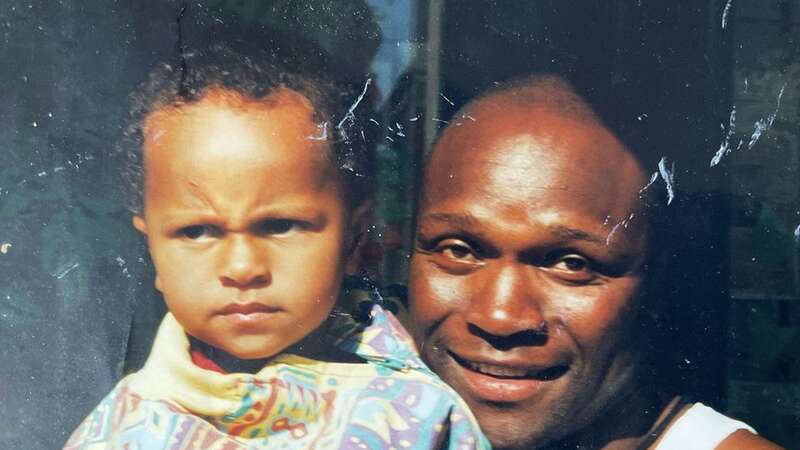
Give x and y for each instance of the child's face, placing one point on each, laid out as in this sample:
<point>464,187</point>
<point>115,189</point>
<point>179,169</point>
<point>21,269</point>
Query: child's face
<point>244,220</point>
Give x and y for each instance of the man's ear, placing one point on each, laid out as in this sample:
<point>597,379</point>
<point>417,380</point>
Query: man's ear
<point>140,224</point>
<point>359,220</point>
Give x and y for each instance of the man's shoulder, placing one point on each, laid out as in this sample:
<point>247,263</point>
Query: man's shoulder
<point>744,439</point>
<point>702,427</point>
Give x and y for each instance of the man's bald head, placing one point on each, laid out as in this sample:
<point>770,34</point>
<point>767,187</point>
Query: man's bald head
<point>537,91</point>
<point>546,109</point>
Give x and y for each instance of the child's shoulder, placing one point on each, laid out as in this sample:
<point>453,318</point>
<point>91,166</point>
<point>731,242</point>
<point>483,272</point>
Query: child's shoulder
<point>365,323</point>
<point>401,383</point>
<point>122,416</point>
<point>389,400</point>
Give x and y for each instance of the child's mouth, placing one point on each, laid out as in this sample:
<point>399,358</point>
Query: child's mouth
<point>248,309</point>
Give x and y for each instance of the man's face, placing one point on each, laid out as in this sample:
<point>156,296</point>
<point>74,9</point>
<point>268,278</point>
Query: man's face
<point>526,270</point>
<point>244,220</point>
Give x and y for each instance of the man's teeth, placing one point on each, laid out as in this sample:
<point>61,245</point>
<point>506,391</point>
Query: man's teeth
<point>548,374</point>
<point>498,371</point>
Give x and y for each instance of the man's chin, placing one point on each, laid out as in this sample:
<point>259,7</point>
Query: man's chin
<point>511,429</point>
<point>505,408</point>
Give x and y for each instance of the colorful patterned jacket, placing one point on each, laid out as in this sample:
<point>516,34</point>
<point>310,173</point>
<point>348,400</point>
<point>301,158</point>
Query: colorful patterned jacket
<point>393,401</point>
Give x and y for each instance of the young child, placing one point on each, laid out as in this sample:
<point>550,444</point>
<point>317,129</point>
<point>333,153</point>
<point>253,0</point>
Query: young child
<point>254,190</point>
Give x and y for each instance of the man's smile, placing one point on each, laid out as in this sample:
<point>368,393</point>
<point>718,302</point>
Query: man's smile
<point>505,381</point>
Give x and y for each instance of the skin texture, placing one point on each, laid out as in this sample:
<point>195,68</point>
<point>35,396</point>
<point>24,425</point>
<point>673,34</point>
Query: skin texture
<point>244,220</point>
<point>516,267</point>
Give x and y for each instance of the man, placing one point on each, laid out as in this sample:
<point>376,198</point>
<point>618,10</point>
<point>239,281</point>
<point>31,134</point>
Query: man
<point>529,279</point>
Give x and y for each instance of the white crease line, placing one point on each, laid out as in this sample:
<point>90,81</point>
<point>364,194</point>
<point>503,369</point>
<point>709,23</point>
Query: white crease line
<point>669,178</point>
<point>447,99</point>
<point>64,272</point>
<point>763,125</point>
<point>350,112</point>
<point>653,179</point>
<point>725,146</point>
<point>725,13</point>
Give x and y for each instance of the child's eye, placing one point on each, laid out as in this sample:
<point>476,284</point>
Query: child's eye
<point>197,232</point>
<point>277,226</point>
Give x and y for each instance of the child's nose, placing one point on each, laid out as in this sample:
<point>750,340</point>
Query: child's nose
<point>243,265</point>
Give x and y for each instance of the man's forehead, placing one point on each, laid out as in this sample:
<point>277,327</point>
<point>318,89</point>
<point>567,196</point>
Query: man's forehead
<point>506,132</point>
<point>517,153</point>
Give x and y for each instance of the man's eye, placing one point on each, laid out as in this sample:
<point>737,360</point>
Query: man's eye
<point>197,232</point>
<point>573,268</point>
<point>456,250</point>
<point>278,226</point>
<point>572,263</point>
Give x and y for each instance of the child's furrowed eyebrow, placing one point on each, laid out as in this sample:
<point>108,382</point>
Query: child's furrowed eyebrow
<point>179,218</point>
<point>308,214</point>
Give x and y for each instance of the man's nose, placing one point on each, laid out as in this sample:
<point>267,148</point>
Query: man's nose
<point>243,263</point>
<point>507,311</point>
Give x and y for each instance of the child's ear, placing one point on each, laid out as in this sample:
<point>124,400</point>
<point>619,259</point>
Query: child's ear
<point>140,224</point>
<point>360,219</point>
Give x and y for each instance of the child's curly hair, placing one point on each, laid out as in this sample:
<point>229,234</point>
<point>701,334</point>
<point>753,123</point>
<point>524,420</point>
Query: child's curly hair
<point>342,109</point>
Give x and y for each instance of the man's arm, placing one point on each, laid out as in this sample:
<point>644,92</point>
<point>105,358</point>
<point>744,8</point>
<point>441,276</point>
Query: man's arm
<point>743,439</point>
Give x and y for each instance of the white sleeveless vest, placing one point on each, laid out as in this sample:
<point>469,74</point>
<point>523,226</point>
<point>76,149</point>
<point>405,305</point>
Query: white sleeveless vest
<point>700,428</point>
